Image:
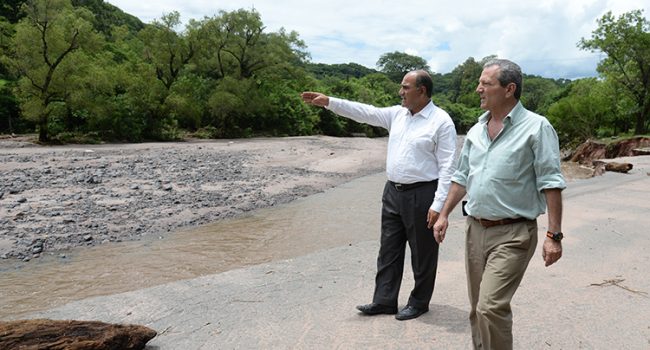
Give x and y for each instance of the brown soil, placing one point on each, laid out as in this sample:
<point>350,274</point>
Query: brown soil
<point>591,150</point>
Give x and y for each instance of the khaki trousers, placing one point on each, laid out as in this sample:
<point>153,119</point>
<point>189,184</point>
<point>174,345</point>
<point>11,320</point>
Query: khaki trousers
<point>495,259</point>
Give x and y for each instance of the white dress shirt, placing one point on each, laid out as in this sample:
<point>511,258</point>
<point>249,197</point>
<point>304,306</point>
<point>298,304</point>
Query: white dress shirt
<point>421,147</point>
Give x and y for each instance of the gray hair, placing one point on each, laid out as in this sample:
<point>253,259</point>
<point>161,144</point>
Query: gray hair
<point>509,72</point>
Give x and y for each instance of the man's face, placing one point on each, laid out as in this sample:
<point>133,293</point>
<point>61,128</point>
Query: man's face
<point>489,89</point>
<point>409,93</point>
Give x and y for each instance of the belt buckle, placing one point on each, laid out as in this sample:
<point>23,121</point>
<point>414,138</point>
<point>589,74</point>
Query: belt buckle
<point>398,187</point>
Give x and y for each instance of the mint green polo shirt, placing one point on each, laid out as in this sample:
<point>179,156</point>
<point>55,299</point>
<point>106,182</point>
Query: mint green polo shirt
<point>505,177</point>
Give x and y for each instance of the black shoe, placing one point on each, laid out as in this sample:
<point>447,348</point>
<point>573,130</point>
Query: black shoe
<point>410,312</point>
<point>376,309</point>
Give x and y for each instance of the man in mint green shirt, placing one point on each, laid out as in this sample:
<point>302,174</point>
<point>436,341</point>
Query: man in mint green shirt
<point>509,169</point>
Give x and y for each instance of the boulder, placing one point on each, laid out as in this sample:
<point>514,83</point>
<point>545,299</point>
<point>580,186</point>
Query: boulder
<point>72,335</point>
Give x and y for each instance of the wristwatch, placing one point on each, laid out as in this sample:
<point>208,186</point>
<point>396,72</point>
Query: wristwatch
<point>556,236</point>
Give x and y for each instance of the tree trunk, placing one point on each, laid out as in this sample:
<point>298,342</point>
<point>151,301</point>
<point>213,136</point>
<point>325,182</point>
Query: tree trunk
<point>73,335</point>
<point>42,128</point>
<point>640,124</point>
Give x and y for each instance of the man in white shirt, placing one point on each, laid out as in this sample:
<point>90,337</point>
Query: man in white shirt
<point>419,165</point>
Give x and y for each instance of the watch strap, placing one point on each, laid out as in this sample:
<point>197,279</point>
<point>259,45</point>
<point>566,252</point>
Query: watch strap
<point>556,236</point>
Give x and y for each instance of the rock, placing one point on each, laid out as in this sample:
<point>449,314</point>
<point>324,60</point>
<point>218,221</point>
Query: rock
<point>94,179</point>
<point>72,335</point>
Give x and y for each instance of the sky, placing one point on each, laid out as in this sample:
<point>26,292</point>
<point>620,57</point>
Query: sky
<point>541,36</point>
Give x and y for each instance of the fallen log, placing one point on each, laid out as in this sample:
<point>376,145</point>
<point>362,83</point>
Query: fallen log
<point>618,167</point>
<point>72,335</point>
<point>600,167</point>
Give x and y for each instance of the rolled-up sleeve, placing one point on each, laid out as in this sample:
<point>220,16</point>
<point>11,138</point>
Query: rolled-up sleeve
<point>547,159</point>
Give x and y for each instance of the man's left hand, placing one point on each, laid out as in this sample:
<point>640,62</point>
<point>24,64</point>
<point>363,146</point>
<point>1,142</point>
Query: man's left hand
<point>551,251</point>
<point>432,217</point>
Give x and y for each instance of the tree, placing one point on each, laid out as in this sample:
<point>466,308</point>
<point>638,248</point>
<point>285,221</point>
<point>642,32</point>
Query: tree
<point>396,64</point>
<point>464,80</point>
<point>587,111</point>
<point>168,51</point>
<point>539,93</point>
<point>6,33</point>
<point>46,42</point>
<point>341,70</point>
<point>235,44</point>
<point>626,42</point>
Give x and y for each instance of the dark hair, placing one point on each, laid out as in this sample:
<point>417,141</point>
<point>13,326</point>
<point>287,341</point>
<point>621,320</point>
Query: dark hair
<point>422,78</point>
<point>509,72</point>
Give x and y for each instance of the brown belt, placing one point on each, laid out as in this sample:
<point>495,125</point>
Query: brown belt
<point>489,223</point>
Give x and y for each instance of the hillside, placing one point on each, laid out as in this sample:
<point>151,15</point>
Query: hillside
<point>106,15</point>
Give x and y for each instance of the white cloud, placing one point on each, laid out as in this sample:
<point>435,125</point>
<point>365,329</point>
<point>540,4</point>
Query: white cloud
<point>541,36</point>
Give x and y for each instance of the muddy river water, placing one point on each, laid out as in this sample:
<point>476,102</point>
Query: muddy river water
<point>343,215</point>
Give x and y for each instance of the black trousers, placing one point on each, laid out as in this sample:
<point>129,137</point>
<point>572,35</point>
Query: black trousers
<point>404,219</point>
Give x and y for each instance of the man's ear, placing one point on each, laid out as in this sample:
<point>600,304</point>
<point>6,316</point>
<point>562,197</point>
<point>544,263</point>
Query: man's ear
<point>510,89</point>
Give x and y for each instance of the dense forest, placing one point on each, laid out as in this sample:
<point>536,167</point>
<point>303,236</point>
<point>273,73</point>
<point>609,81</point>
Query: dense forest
<point>84,71</point>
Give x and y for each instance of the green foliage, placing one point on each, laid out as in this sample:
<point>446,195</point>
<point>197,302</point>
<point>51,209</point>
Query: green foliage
<point>585,113</point>
<point>339,71</point>
<point>396,64</point>
<point>228,106</point>
<point>539,93</point>
<point>107,16</point>
<point>166,50</point>
<point>626,42</point>
<point>9,109</point>
<point>47,42</point>
<point>6,32</point>
<point>374,89</point>
<point>464,116</point>
<point>10,9</point>
<point>101,77</point>
<point>182,101</point>
<point>464,79</point>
